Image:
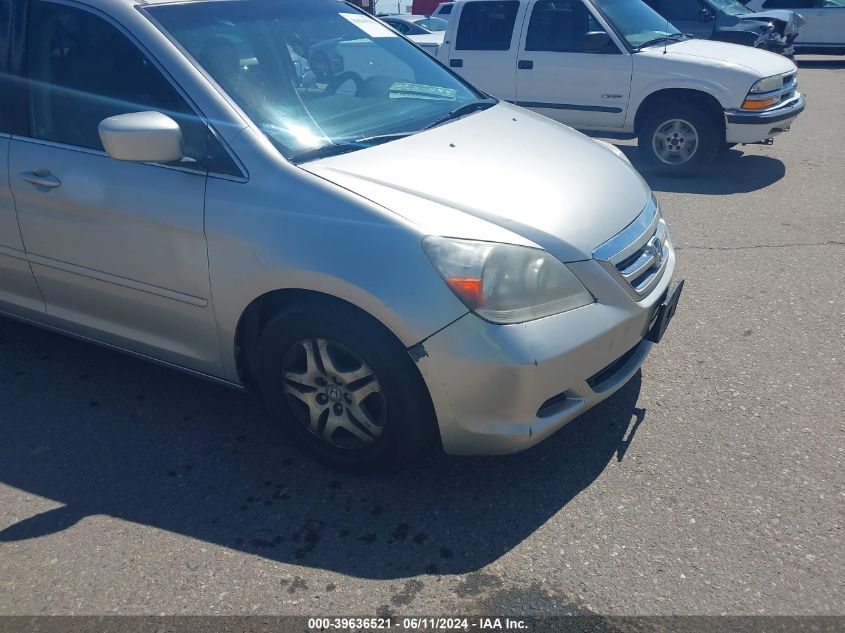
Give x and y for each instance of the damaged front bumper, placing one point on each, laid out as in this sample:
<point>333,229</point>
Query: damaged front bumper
<point>503,388</point>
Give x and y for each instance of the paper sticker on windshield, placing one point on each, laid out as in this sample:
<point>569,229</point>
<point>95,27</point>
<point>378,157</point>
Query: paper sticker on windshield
<point>368,25</point>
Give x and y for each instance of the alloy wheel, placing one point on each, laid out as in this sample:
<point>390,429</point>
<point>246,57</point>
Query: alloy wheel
<point>675,141</point>
<point>334,393</point>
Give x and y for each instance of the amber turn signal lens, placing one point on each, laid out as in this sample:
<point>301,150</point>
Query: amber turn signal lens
<point>759,104</point>
<point>470,289</point>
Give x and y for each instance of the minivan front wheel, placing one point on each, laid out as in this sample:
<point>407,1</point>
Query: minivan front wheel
<point>343,387</point>
<point>679,140</point>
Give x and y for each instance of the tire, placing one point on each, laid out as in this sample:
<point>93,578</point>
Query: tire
<point>389,426</point>
<point>667,133</point>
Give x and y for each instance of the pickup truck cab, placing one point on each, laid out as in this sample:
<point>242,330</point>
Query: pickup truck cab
<point>618,68</point>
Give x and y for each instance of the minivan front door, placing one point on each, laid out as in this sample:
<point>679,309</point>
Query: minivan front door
<point>562,75</point>
<point>118,249</point>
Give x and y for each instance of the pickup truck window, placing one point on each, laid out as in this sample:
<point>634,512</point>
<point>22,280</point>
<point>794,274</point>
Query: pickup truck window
<point>486,26</point>
<point>559,26</point>
<point>637,22</point>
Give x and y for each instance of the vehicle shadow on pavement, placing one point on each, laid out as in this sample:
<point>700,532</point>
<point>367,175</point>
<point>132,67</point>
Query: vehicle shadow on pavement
<point>104,434</point>
<point>732,171</point>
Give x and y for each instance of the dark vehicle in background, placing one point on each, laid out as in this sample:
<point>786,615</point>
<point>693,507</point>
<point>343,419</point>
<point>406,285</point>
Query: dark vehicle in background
<point>731,21</point>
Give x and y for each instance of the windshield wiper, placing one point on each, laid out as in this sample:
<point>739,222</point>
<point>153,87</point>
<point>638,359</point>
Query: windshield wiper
<point>335,149</point>
<point>463,110</point>
<point>672,37</point>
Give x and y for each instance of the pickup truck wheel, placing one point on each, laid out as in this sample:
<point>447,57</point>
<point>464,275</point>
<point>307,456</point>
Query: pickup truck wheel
<point>680,140</point>
<point>343,388</point>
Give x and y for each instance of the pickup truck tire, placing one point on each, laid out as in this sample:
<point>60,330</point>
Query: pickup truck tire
<point>343,388</point>
<point>679,139</point>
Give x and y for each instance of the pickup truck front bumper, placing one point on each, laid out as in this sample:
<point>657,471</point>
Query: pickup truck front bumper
<point>744,126</point>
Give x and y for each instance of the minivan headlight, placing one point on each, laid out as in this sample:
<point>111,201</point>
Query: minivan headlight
<point>504,283</point>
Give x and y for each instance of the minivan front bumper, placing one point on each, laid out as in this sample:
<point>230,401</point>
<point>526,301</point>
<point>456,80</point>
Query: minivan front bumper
<point>744,126</point>
<point>503,388</point>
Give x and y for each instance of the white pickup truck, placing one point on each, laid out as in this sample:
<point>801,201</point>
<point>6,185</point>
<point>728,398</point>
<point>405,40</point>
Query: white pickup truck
<point>617,68</point>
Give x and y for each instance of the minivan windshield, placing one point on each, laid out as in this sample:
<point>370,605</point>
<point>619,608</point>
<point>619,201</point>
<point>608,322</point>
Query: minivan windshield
<point>638,23</point>
<point>316,75</point>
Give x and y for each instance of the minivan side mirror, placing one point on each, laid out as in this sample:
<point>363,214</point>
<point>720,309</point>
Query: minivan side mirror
<point>596,42</point>
<point>142,137</point>
<point>706,14</point>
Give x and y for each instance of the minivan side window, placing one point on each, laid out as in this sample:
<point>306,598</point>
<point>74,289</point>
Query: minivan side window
<point>82,69</point>
<point>486,26</point>
<point>559,26</point>
<point>12,93</point>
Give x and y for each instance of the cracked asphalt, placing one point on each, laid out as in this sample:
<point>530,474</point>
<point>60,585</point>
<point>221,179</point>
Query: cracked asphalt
<point>711,484</point>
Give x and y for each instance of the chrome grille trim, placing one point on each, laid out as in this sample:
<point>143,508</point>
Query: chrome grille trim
<point>636,256</point>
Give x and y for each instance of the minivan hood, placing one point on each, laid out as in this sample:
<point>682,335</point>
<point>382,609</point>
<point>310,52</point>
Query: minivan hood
<point>510,167</point>
<point>763,63</point>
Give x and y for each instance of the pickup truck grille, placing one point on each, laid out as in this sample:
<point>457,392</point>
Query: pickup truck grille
<point>789,80</point>
<point>788,86</point>
<point>636,256</point>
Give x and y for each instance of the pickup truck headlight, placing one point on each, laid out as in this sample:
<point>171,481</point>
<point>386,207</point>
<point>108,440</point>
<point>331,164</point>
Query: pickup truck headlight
<point>761,87</point>
<point>767,84</point>
<point>504,283</point>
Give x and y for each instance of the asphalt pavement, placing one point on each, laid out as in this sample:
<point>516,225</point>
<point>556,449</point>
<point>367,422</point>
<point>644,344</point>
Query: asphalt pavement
<point>711,484</point>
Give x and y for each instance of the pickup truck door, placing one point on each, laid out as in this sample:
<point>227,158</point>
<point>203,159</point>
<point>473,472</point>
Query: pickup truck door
<point>556,76</point>
<point>483,38</point>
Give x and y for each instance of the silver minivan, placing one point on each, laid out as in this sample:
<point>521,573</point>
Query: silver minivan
<point>390,257</point>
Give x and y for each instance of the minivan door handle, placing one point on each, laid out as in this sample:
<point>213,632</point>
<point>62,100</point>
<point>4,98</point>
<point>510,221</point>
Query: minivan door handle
<point>41,178</point>
<point>456,63</point>
<point>525,64</point>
